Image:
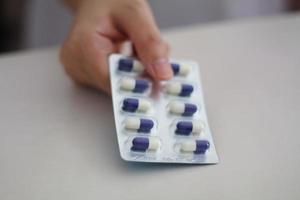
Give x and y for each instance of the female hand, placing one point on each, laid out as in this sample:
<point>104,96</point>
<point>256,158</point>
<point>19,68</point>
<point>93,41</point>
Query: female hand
<point>100,28</point>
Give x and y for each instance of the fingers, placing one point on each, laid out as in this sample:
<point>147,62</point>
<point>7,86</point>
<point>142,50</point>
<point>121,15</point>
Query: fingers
<point>86,60</point>
<point>99,29</point>
<point>136,19</point>
<point>72,61</point>
<point>96,50</point>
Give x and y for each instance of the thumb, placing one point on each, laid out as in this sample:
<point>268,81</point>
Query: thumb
<point>137,21</point>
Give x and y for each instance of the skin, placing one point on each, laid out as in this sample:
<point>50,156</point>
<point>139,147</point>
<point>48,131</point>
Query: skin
<point>100,28</point>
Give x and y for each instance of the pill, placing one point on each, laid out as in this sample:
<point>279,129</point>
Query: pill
<point>195,146</point>
<point>181,70</point>
<point>137,86</point>
<point>133,105</point>
<point>189,127</point>
<point>184,109</point>
<point>143,144</point>
<point>180,89</point>
<point>130,65</point>
<point>139,124</point>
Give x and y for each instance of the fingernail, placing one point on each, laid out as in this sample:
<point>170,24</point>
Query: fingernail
<point>161,69</point>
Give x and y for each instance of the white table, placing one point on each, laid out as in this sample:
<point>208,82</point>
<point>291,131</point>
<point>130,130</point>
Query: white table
<point>58,141</point>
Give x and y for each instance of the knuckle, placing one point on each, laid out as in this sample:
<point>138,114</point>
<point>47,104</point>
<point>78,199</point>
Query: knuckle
<point>134,5</point>
<point>86,39</point>
<point>167,47</point>
<point>153,39</point>
<point>68,51</point>
<point>70,55</point>
<point>157,43</point>
<point>163,45</point>
<point>73,45</point>
<point>95,43</point>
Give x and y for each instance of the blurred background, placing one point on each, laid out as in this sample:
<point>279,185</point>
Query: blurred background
<point>26,24</point>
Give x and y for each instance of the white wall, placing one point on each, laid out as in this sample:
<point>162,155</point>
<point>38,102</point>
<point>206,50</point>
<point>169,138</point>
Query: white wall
<point>171,13</point>
<point>248,8</point>
<point>48,22</point>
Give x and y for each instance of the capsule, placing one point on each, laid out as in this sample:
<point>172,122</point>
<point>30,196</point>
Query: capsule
<point>130,65</point>
<point>136,86</point>
<point>133,105</point>
<point>195,146</point>
<point>180,70</point>
<point>179,89</point>
<point>143,144</point>
<point>184,109</point>
<point>189,127</point>
<point>139,124</point>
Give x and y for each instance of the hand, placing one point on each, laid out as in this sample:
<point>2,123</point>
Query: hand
<point>100,28</point>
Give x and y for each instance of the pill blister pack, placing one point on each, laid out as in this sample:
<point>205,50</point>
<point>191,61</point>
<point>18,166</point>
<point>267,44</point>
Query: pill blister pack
<point>160,121</point>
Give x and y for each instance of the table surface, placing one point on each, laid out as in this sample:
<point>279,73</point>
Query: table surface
<point>58,141</point>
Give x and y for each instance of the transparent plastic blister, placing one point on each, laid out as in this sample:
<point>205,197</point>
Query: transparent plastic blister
<point>160,121</point>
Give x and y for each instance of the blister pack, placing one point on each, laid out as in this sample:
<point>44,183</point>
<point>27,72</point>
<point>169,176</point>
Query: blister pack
<point>160,121</point>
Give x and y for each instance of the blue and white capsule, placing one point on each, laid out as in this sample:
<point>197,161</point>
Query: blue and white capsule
<point>134,85</point>
<point>186,128</point>
<point>181,108</point>
<point>140,125</point>
<point>179,89</point>
<point>142,144</point>
<point>130,65</point>
<point>180,70</point>
<point>195,146</point>
<point>136,105</point>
